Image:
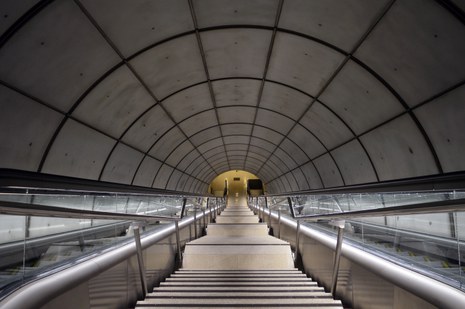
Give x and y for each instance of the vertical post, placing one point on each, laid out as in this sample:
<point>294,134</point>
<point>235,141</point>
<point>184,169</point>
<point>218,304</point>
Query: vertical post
<point>204,222</point>
<point>269,212</point>
<point>184,201</point>
<point>195,222</point>
<point>279,222</point>
<point>143,280</point>
<point>178,242</point>
<point>297,238</point>
<point>337,256</point>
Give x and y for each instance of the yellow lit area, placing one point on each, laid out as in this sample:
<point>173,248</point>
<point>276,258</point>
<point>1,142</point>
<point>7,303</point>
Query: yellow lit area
<point>234,181</point>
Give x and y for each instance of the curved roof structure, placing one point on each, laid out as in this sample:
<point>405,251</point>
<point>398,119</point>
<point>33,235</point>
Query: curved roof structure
<point>171,93</point>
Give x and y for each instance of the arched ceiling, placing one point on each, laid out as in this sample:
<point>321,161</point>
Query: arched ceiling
<point>171,93</point>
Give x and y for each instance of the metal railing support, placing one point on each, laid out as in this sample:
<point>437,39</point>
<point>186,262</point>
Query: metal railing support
<point>178,242</point>
<point>195,223</point>
<point>269,213</point>
<point>337,256</point>
<point>297,238</point>
<point>279,223</point>
<point>143,280</point>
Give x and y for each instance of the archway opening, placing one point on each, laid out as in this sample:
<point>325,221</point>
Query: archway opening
<point>236,182</point>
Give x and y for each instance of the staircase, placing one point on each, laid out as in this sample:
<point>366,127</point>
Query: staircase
<point>238,265</point>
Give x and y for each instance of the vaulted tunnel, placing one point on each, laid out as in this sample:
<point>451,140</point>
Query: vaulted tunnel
<point>170,94</point>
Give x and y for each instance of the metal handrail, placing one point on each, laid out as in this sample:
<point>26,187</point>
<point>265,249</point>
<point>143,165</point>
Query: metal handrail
<point>23,209</point>
<point>447,181</point>
<point>411,209</point>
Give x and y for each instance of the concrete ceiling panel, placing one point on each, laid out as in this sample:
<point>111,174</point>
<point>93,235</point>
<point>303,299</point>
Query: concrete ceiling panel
<point>236,139</point>
<point>148,128</point>
<point>285,158</point>
<point>418,49</point>
<point>264,144</point>
<point>173,181</point>
<point>284,100</point>
<point>214,151</point>
<point>302,63</point>
<point>329,129</point>
<point>199,168</point>
<point>187,160</point>
<point>182,182</point>
<point>328,171</point>
<point>237,147</point>
<point>134,25</point>
<point>211,13</point>
<point>298,155</point>
<point>443,120</point>
<point>195,163</point>
<point>114,103</point>
<point>12,10</point>
<point>309,144</point>
<point>240,114</point>
<point>78,151</point>
<point>259,156</point>
<point>234,153</point>
<point>22,119</point>
<point>188,184</point>
<point>166,144</point>
<point>199,122</point>
<point>161,180</point>
<point>292,182</point>
<point>211,144</point>
<point>241,129</point>
<point>360,99</point>
<point>354,163</point>
<point>312,176</point>
<point>147,171</point>
<point>188,102</point>
<point>340,23</point>
<point>274,120</point>
<point>171,66</point>
<point>267,134</point>
<point>261,150</point>
<point>285,184</point>
<point>205,135</point>
<point>236,52</point>
<point>300,178</point>
<point>122,164</point>
<point>45,61</point>
<point>179,153</point>
<point>398,150</point>
<point>236,91</point>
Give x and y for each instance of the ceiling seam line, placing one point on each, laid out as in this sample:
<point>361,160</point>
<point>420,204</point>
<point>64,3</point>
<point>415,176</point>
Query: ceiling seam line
<point>207,73</point>
<point>68,116</point>
<point>265,69</point>
<point>333,76</point>
<point>265,73</point>
<point>23,20</point>
<point>118,52</point>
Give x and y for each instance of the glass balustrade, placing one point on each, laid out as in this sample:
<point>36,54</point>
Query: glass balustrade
<point>31,245</point>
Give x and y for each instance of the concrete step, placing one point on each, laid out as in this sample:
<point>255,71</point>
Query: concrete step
<point>244,294</point>
<point>240,301</point>
<point>236,219</point>
<point>237,213</point>
<point>233,257</point>
<point>245,229</point>
<point>251,288</point>
<point>247,284</point>
<point>239,240</point>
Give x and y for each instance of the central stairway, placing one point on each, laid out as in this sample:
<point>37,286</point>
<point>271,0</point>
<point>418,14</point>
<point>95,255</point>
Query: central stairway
<point>237,264</point>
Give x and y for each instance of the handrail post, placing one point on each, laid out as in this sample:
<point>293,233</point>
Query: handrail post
<point>195,222</point>
<point>297,238</point>
<point>337,257</point>
<point>204,222</point>
<point>140,260</point>
<point>178,242</point>
<point>269,213</point>
<point>279,222</point>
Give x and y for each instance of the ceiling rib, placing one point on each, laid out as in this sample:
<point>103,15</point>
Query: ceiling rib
<point>207,73</point>
<point>265,71</point>
<point>330,80</point>
<point>138,77</point>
